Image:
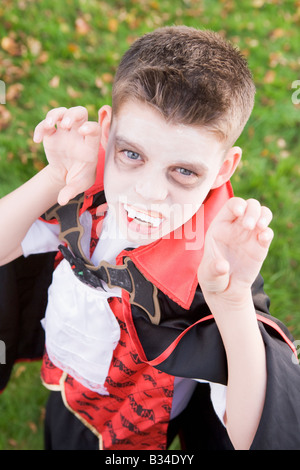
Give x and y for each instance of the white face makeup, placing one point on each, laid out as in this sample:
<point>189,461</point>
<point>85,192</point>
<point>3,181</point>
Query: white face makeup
<point>157,174</point>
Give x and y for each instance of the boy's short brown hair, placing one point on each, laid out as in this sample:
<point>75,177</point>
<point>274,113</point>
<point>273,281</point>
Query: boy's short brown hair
<point>192,77</point>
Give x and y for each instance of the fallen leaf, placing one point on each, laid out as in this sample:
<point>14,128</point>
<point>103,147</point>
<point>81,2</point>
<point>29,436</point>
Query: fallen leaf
<point>269,76</point>
<point>281,143</point>
<point>101,85</point>
<point>54,82</point>
<point>113,25</point>
<point>20,371</point>
<point>34,46</point>
<point>5,117</point>
<point>277,33</point>
<point>32,426</point>
<point>14,91</point>
<point>53,104</point>
<point>264,152</point>
<point>12,442</point>
<point>9,45</point>
<point>38,165</point>
<point>73,93</point>
<point>72,47</point>
<point>154,4</point>
<point>43,57</point>
<point>107,77</point>
<point>81,26</point>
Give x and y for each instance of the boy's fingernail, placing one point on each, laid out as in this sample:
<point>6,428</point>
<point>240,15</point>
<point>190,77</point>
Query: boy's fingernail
<point>263,222</point>
<point>84,128</point>
<point>66,121</point>
<point>239,210</point>
<point>249,223</point>
<point>36,137</point>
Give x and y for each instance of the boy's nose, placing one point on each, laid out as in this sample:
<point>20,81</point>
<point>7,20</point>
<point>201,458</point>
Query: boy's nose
<point>151,188</point>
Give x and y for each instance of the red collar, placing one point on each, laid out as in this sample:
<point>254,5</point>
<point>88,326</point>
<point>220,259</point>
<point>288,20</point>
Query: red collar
<point>171,263</point>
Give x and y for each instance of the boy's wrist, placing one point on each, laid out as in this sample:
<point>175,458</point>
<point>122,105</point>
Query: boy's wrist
<point>220,305</point>
<point>57,178</point>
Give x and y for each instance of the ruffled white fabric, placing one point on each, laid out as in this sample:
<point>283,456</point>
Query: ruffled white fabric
<point>81,330</point>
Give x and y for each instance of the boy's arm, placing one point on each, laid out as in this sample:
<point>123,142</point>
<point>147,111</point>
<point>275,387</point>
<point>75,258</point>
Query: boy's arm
<point>19,209</point>
<point>71,145</point>
<point>236,245</point>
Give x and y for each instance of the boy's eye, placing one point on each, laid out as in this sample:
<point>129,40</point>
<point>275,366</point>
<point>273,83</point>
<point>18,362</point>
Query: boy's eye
<point>185,172</point>
<point>131,155</point>
<point>184,176</point>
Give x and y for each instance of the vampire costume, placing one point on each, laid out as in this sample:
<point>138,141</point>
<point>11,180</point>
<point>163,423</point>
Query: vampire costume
<point>156,334</point>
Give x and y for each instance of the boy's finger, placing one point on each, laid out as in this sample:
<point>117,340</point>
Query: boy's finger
<point>76,115</point>
<point>42,131</point>
<point>265,218</point>
<point>90,128</point>
<point>67,193</point>
<point>53,116</point>
<point>252,214</point>
<point>235,207</point>
<point>216,277</point>
<point>265,237</point>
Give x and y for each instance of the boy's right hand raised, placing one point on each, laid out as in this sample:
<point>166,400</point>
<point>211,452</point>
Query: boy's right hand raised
<point>71,144</point>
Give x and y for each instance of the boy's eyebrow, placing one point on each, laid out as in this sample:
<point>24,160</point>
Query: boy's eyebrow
<point>123,142</point>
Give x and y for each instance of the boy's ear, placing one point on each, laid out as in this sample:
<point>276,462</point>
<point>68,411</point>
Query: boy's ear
<point>228,167</point>
<point>104,118</point>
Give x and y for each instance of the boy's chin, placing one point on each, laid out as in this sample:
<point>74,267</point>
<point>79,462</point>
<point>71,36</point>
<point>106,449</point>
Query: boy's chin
<point>140,235</point>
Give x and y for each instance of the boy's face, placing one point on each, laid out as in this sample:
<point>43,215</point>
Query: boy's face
<point>157,175</point>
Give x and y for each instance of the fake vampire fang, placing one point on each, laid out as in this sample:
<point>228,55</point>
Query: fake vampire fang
<point>142,217</point>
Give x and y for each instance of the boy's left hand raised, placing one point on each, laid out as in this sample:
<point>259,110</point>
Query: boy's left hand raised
<point>236,246</point>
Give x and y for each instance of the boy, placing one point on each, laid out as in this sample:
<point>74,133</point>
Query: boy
<point>129,332</point>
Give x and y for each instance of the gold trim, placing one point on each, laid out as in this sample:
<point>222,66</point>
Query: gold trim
<point>155,319</point>
<point>86,423</point>
<point>51,387</point>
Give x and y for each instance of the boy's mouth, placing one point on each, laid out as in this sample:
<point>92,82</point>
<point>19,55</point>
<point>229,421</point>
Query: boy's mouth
<point>151,219</point>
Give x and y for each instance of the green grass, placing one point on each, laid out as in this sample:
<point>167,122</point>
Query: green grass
<point>55,53</point>
<point>22,409</point>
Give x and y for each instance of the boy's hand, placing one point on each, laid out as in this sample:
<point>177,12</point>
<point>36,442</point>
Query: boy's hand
<point>71,145</point>
<point>236,245</point>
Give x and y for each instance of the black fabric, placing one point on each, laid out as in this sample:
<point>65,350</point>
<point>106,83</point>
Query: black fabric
<point>279,427</point>
<point>23,299</point>
<point>63,431</point>
<point>198,426</point>
<point>202,341</point>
